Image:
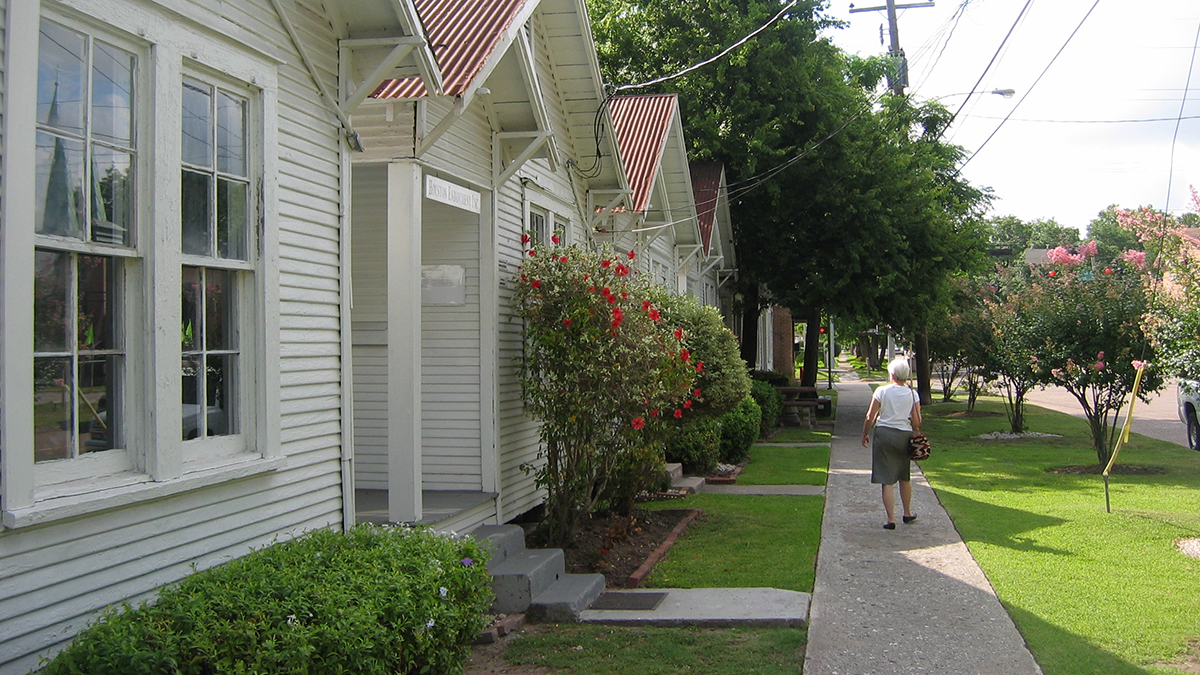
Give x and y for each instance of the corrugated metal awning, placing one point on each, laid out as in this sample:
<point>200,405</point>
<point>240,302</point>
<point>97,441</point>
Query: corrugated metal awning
<point>642,124</point>
<point>463,34</point>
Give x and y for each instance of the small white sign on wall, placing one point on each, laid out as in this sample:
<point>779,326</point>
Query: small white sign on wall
<point>443,285</point>
<point>449,193</point>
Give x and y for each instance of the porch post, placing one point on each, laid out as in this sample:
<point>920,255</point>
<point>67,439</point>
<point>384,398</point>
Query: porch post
<point>404,340</point>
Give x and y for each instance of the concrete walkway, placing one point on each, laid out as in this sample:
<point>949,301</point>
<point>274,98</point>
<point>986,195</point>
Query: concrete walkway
<point>912,600</point>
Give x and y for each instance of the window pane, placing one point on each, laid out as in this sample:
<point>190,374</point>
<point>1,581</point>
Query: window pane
<point>51,409</point>
<point>231,134</point>
<point>59,199</point>
<point>220,331</point>
<point>51,298</point>
<point>231,219</point>
<point>221,395</point>
<point>196,214</point>
<point>192,299</point>
<point>197,125</point>
<point>193,367</point>
<point>61,77</point>
<point>98,311</point>
<point>99,403</point>
<point>112,195</point>
<point>112,94</point>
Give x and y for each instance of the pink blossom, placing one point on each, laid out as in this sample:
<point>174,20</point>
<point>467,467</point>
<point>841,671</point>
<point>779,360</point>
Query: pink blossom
<point>1135,258</point>
<point>1137,365</point>
<point>1099,365</point>
<point>1089,250</point>
<point>1059,255</point>
<point>1100,356</point>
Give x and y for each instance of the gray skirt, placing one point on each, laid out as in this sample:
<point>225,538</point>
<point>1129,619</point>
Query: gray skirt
<point>889,455</point>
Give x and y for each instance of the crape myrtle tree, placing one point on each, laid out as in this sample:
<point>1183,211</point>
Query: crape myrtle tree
<point>601,371</point>
<point>811,175</point>
<point>1010,362</point>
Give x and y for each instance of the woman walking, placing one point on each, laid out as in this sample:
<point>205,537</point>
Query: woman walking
<point>895,414</point>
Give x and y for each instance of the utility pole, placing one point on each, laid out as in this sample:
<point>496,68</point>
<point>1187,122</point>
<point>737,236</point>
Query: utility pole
<point>898,80</point>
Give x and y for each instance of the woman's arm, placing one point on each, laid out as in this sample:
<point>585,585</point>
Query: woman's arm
<point>872,415</point>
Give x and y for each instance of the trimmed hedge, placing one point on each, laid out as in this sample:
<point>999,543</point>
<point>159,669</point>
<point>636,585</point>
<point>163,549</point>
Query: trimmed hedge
<point>770,401</point>
<point>371,601</point>
<point>696,444</point>
<point>739,429</point>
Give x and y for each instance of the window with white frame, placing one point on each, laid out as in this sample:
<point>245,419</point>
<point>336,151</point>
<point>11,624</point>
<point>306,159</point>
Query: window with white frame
<point>538,225</point>
<point>86,154</point>
<point>121,243</point>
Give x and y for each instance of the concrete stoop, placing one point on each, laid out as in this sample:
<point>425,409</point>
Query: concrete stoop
<point>688,484</point>
<point>534,581</point>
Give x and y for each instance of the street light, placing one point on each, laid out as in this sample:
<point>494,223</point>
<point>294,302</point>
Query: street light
<point>1006,93</point>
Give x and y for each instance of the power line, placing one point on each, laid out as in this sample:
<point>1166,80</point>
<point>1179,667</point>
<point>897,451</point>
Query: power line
<point>1032,86</point>
<point>1128,121</point>
<point>989,66</point>
<point>1182,103</point>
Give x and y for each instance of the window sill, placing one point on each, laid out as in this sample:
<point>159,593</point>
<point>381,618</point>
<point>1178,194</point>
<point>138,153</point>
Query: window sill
<point>130,488</point>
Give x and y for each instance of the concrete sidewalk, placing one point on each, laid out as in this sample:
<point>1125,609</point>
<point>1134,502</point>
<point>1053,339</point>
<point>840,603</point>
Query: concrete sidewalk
<point>912,600</point>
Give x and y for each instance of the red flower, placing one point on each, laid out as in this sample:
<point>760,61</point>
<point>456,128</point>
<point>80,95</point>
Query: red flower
<point>687,404</point>
<point>525,239</point>
<point>591,289</point>
<point>631,254</point>
<point>638,423</point>
<point>654,413</point>
<point>612,299</point>
<point>645,305</point>
<point>563,259</point>
<point>624,294</point>
<point>586,277</point>
<point>532,253</point>
<point>654,315</point>
<point>605,263</point>
<point>678,414</point>
<point>535,283</point>
<point>605,291</point>
<point>621,270</point>
<point>566,322</point>
<point>696,393</point>
<point>685,355</point>
<point>555,238</point>
<point>524,278</point>
<point>699,366</point>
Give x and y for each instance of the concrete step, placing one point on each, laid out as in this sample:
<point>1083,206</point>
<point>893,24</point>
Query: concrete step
<point>504,541</point>
<point>688,484</point>
<point>674,471</point>
<point>523,576</point>
<point>566,599</point>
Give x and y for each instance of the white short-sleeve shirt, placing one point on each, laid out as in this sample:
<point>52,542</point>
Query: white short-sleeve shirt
<point>895,406</point>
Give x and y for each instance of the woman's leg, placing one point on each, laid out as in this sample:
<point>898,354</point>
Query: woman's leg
<point>905,498</point>
<point>889,503</point>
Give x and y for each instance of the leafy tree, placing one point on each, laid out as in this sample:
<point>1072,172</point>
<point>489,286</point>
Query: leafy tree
<point>601,370</point>
<point>959,342</point>
<point>1020,236</point>
<point>1112,239</point>
<point>1011,361</point>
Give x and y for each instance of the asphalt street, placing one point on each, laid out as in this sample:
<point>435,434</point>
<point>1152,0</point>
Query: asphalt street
<point>1157,419</point>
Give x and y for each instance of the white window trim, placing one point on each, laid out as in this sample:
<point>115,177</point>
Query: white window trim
<point>162,465</point>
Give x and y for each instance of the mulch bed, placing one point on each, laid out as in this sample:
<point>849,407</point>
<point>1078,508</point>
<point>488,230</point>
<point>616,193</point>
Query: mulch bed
<point>1118,469</point>
<point>616,546</point>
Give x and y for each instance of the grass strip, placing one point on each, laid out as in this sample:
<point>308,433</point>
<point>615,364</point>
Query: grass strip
<point>794,435</point>
<point>1092,592</point>
<point>770,465</point>
<point>583,649</point>
<point>744,541</point>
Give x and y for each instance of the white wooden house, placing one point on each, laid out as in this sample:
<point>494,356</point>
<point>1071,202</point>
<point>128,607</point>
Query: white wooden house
<point>172,238</point>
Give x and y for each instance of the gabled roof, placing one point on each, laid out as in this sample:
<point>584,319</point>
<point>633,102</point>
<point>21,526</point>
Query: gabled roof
<point>706,185</point>
<point>463,34</point>
<point>642,124</point>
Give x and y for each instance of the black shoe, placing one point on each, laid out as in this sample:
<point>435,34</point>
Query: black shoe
<point>889,526</point>
<point>908,519</point>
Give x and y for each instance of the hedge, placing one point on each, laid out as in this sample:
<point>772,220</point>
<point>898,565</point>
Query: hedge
<point>739,428</point>
<point>770,401</point>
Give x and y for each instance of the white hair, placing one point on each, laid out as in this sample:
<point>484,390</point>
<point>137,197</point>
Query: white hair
<point>898,368</point>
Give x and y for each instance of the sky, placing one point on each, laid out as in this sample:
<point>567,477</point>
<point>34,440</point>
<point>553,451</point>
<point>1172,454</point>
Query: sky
<point>1055,157</point>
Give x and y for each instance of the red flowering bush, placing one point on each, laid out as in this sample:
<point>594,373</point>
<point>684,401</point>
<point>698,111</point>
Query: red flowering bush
<point>601,370</point>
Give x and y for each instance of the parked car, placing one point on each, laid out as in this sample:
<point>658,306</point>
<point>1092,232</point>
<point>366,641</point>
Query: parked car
<point>1189,403</point>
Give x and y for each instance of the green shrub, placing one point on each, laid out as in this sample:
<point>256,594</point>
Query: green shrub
<point>739,428</point>
<point>770,377</point>
<point>696,444</point>
<point>723,380</point>
<point>636,471</point>
<point>371,600</point>
<point>770,401</point>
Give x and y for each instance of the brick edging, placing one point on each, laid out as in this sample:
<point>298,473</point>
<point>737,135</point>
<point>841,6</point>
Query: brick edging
<point>642,572</point>
<point>726,480</point>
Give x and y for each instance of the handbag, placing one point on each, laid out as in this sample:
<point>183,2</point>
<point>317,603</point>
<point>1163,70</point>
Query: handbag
<point>918,448</point>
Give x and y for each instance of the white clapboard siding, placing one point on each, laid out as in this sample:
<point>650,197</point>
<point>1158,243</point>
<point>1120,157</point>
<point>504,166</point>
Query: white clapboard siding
<point>450,356</point>
<point>55,577</point>
<point>3,89</point>
<point>369,319</point>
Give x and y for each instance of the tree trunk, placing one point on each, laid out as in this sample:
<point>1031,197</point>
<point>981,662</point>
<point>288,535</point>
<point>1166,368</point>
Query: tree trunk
<point>750,327</point>
<point>812,347</point>
<point>921,358</point>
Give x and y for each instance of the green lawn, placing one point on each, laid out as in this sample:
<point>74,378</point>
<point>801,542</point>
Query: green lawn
<point>1091,592</point>
<point>779,465</point>
<point>796,435</point>
<point>744,541</point>
<point>581,649</point>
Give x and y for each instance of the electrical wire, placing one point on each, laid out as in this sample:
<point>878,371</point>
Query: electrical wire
<point>1175,136</point>
<point>1031,87</point>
